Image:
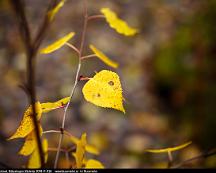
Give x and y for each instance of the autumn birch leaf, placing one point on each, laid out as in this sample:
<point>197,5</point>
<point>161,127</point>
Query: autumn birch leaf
<point>34,160</point>
<point>49,106</point>
<point>57,44</point>
<point>80,151</point>
<point>27,124</point>
<point>104,90</point>
<point>94,164</point>
<point>51,14</point>
<point>119,25</point>
<point>30,143</point>
<point>168,149</point>
<point>89,148</point>
<point>103,57</point>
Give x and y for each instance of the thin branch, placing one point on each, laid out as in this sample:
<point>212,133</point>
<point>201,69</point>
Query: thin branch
<point>200,156</point>
<point>75,82</point>
<point>170,159</point>
<point>88,56</point>
<point>58,131</point>
<point>51,131</point>
<point>31,52</point>
<point>44,26</point>
<point>73,47</point>
<point>100,16</point>
<point>71,149</point>
<point>18,7</point>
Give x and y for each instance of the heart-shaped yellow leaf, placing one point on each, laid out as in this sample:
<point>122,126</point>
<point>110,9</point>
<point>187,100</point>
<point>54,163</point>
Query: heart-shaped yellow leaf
<point>57,44</point>
<point>104,90</point>
<point>103,57</point>
<point>119,25</point>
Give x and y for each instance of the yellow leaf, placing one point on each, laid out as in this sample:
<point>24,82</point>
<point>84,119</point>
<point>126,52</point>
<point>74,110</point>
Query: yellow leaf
<point>94,164</point>
<point>103,57</point>
<point>119,25</point>
<point>54,11</point>
<point>104,90</point>
<point>57,44</point>
<point>80,151</point>
<point>27,124</point>
<point>34,160</point>
<point>92,149</point>
<point>30,143</point>
<point>46,107</point>
<point>168,149</point>
<point>89,148</point>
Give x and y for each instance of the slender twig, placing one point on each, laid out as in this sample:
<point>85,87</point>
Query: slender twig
<point>57,131</point>
<point>73,47</point>
<point>75,82</point>
<point>200,156</point>
<point>170,159</point>
<point>51,131</point>
<point>71,149</point>
<point>44,26</point>
<point>96,17</point>
<point>88,56</point>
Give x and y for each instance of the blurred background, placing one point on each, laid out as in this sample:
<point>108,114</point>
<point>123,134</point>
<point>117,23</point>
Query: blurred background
<point>167,73</point>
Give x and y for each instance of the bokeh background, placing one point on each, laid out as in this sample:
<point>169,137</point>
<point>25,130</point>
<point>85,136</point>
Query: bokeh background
<point>167,72</point>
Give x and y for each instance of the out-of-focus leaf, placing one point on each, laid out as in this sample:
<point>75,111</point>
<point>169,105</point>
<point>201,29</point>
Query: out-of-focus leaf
<point>57,44</point>
<point>27,124</point>
<point>80,151</point>
<point>47,107</point>
<point>94,164</point>
<point>89,148</point>
<point>103,57</point>
<point>168,149</point>
<point>51,14</point>
<point>119,25</point>
<point>104,90</point>
<point>34,160</point>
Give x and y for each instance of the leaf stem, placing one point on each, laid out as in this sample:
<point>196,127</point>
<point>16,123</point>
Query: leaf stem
<point>99,16</point>
<point>88,56</point>
<point>73,47</point>
<point>75,82</point>
<point>198,157</point>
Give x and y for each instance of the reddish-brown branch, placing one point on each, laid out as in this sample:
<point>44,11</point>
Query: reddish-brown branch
<point>75,82</point>
<point>99,16</point>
